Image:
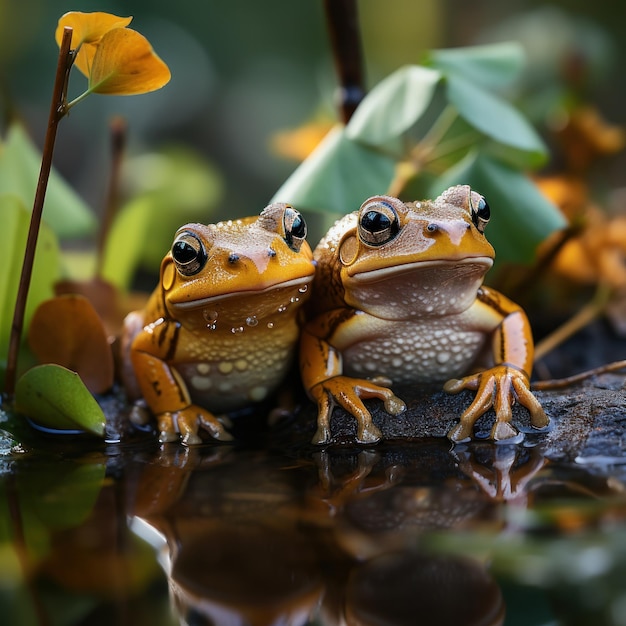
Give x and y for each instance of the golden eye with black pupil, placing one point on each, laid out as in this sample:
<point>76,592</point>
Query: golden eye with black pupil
<point>480,214</point>
<point>188,254</point>
<point>378,224</point>
<point>295,228</point>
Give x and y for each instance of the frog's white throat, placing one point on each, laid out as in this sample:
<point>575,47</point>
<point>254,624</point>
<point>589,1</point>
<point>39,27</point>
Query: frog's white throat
<point>418,289</point>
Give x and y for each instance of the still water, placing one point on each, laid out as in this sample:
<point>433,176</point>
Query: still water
<point>419,533</point>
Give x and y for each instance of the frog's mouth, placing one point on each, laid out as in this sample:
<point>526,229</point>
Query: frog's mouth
<point>237,293</point>
<point>469,266</point>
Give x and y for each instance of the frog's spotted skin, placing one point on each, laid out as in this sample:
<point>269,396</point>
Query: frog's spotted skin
<point>219,332</point>
<point>399,297</point>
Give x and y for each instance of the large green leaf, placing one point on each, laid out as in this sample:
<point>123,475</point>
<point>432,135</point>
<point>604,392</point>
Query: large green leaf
<point>492,66</point>
<point>55,397</point>
<point>496,118</point>
<point>393,107</point>
<point>46,270</point>
<point>20,162</point>
<point>338,176</point>
<point>521,216</point>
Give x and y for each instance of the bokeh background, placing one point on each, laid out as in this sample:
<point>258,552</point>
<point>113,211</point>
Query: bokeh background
<point>243,72</point>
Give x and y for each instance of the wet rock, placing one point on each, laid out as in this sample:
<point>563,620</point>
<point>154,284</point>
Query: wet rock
<point>588,420</point>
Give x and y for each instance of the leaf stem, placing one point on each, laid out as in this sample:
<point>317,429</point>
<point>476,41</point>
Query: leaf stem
<point>67,106</point>
<point>57,111</point>
<point>423,152</point>
<point>436,133</point>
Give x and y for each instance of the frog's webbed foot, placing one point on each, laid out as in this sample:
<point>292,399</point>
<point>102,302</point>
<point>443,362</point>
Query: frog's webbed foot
<point>498,387</point>
<point>349,393</point>
<point>185,423</point>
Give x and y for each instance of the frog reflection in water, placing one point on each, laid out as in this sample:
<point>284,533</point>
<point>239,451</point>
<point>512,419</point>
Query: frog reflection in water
<point>219,331</point>
<point>399,297</point>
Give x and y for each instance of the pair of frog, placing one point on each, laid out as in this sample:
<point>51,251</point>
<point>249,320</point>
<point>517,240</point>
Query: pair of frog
<point>397,296</point>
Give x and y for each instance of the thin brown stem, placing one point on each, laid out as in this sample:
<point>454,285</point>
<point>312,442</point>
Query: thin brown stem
<point>345,36</point>
<point>583,317</point>
<point>118,143</point>
<point>57,111</point>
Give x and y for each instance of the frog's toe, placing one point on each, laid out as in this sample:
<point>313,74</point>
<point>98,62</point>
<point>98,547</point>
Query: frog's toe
<point>368,434</point>
<point>213,426</point>
<point>503,431</point>
<point>321,436</point>
<point>394,405</point>
<point>460,433</point>
<point>191,439</point>
<point>223,435</point>
<point>167,436</point>
<point>216,430</point>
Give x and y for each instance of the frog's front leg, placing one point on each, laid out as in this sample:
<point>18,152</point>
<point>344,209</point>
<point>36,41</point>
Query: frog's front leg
<point>168,398</point>
<point>505,383</point>
<point>321,369</point>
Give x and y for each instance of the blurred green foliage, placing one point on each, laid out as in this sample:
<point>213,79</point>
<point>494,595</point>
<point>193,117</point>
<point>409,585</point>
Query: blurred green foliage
<point>446,122</point>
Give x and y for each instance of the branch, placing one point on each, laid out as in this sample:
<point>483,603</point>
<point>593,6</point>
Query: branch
<point>57,111</point>
<point>343,27</point>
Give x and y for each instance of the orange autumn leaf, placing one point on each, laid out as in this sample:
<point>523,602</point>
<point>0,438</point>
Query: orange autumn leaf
<point>126,64</point>
<point>67,331</point>
<point>87,31</point>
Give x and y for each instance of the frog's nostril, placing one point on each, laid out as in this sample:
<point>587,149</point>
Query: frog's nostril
<point>233,258</point>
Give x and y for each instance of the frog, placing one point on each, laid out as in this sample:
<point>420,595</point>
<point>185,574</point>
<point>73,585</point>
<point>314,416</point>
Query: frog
<point>220,330</point>
<point>400,300</point>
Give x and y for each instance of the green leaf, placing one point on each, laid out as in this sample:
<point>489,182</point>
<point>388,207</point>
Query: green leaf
<point>55,397</point>
<point>521,216</point>
<point>492,66</point>
<point>46,269</point>
<point>123,248</point>
<point>496,118</point>
<point>20,162</point>
<point>393,106</point>
<point>169,189</point>
<point>338,176</point>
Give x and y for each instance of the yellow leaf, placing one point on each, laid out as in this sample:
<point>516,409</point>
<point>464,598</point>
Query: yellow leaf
<point>125,64</point>
<point>88,29</point>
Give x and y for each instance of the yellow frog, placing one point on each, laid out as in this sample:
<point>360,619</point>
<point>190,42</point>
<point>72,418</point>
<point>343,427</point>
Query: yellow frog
<point>219,331</point>
<point>399,297</point>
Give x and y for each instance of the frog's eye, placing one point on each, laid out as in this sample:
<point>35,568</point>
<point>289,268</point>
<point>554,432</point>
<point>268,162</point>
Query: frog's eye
<point>295,228</point>
<point>480,213</point>
<point>188,254</point>
<point>378,223</point>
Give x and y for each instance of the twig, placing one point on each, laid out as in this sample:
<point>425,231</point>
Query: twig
<point>343,26</point>
<point>559,383</point>
<point>118,143</point>
<point>585,316</point>
<point>57,111</point>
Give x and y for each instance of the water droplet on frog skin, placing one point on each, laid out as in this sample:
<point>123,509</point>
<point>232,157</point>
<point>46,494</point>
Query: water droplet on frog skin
<point>252,320</point>
<point>303,289</point>
<point>270,325</point>
<point>209,315</point>
<point>294,299</point>
<point>237,329</point>
<point>282,308</point>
